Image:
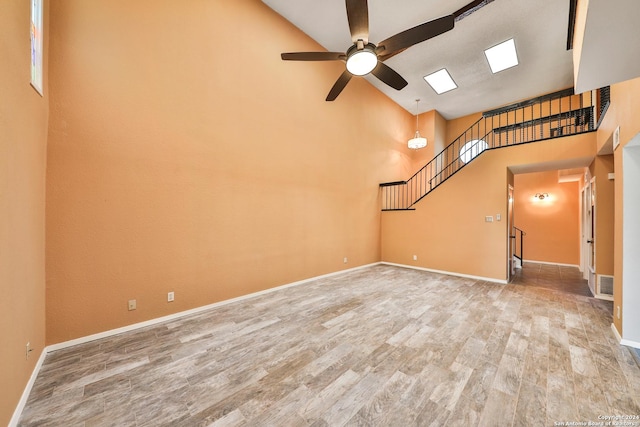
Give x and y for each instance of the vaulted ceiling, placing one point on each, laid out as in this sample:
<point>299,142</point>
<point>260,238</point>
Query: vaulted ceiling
<point>539,29</point>
<point>607,51</point>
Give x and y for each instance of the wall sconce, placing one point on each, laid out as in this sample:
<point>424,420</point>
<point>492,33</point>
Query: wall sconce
<point>541,196</point>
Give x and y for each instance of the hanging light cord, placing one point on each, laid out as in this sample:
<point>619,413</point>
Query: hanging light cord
<point>417,131</point>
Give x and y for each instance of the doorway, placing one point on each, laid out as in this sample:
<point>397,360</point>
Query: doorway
<point>588,247</point>
<point>511,237</point>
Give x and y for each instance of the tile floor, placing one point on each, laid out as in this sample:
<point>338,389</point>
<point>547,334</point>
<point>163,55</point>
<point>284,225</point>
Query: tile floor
<point>379,346</point>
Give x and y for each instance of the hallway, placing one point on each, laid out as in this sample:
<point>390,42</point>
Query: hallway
<point>556,277</point>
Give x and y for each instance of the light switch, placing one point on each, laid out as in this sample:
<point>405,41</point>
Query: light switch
<point>498,217</point>
<point>488,219</point>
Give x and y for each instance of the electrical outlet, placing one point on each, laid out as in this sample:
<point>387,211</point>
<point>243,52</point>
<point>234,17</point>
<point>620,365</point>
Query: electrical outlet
<point>345,260</point>
<point>618,314</point>
<point>415,257</point>
<point>498,217</point>
<point>488,219</point>
<point>170,296</point>
<point>28,351</point>
<point>132,304</point>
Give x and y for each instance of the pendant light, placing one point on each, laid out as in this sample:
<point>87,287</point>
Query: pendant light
<point>417,141</point>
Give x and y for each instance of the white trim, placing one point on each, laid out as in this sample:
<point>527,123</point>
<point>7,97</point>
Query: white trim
<point>196,310</point>
<point>615,332</point>
<point>553,263</point>
<point>622,341</point>
<point>630,343</point>
<point>13,422</point>
<point>448,273</point>
<point>54,347</point>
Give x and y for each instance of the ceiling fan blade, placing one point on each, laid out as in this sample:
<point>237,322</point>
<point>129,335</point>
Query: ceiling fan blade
<point>313,56</point>
<point>472,7</point>
<point>358,16</point>
<point>339,85</point>
<point>387,75</point>
<point>391,55</point>
<point>415,35</point>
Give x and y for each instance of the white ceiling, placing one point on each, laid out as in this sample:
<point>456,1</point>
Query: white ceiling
<point>539,28</point>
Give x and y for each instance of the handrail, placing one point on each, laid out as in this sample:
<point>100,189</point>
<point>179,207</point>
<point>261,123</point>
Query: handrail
<point>520,230</point>
<point>514,236</point>
<point>549,116</point>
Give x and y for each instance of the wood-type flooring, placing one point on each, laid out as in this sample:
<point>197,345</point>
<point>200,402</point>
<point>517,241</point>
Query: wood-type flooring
<point>382,345</point>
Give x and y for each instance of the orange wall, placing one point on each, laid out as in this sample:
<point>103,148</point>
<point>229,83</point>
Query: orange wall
<point>624,112</point>
<point>433,127</point>
<point>552,225</point>
<point>605,213</point>
<point>23,133</point>
<point>448,232</point>
<point>185,156</point>
<point>457,127</point>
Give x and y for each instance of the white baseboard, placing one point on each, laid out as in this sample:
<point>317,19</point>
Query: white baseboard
<point>27,390</point>
<point>616,333</point>
<point>196,310</point>
<point>448,273</point>
<point>630,343</point>
<point>59,346</point>
<point>552,263</point>
<point>623,341</point>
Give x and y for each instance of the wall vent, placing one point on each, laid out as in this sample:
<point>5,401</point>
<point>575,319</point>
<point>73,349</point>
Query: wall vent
<point>605,285</point>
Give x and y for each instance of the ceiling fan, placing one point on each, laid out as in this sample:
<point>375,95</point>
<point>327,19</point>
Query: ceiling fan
<point>364,57</point>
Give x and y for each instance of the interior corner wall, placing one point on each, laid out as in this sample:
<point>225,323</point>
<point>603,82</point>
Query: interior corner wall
<point>552,225</point>
<point>456,127</point>
<point>186,156</point>
<point>433,127</point>
<point>447,230</point>
<point>23,137</point>
<point>623,112</point>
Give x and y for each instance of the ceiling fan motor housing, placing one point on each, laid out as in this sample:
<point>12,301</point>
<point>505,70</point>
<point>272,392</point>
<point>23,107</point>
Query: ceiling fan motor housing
<point>361,60</point>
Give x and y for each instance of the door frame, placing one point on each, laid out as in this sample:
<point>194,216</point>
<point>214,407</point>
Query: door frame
<point>511,247</point>
<point>588,226</point>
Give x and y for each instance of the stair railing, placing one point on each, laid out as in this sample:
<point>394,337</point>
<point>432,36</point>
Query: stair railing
<point>549,116</point>
<point>519,243</point>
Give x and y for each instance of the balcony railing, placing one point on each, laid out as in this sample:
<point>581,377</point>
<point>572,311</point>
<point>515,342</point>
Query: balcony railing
<point>550,116</point>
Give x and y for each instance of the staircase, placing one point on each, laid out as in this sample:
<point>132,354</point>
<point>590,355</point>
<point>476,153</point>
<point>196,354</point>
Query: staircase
<point>549,116</point>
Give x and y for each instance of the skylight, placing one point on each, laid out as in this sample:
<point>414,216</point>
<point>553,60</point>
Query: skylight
<point>502,56</point>
<point>441,81</point>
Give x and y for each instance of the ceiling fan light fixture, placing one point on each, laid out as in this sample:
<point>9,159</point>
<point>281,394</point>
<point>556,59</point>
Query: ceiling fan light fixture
<point>363,58</point>
<point>361,62</point>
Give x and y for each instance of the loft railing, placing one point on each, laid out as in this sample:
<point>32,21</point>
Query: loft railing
<point>550,116</point>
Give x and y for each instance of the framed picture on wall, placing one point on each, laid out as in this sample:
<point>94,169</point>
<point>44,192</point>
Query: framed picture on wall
<point>36,45</point>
